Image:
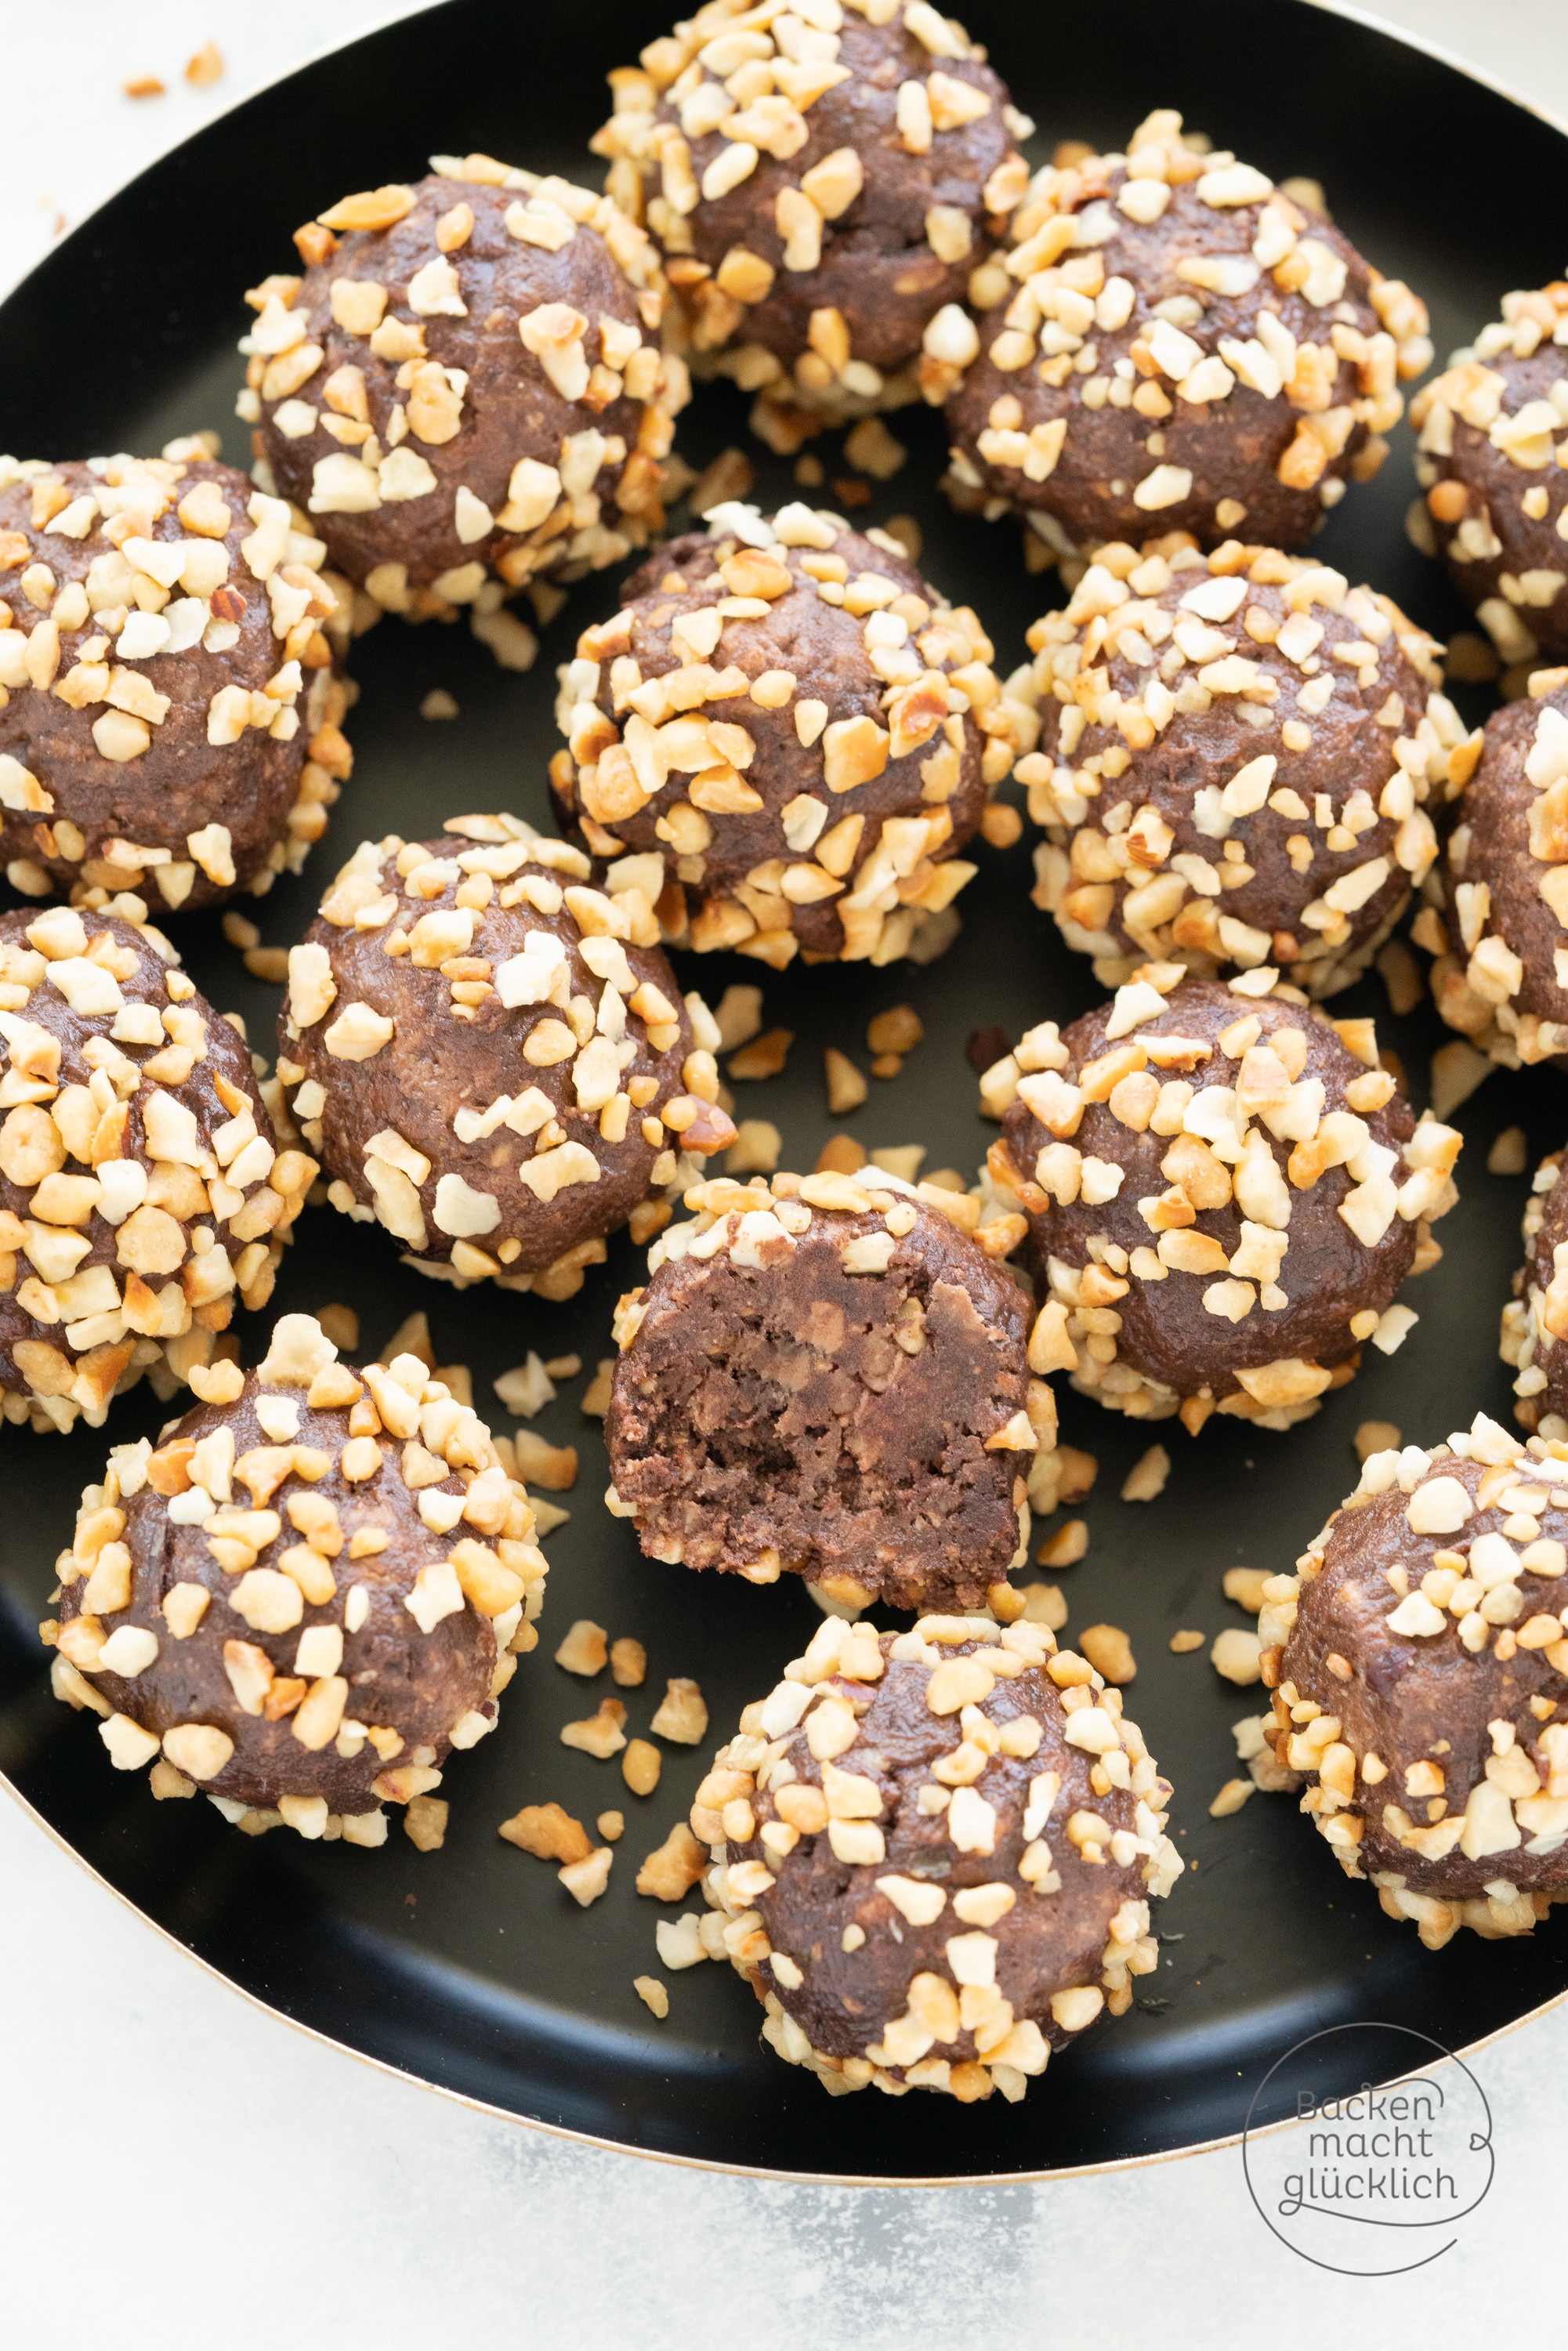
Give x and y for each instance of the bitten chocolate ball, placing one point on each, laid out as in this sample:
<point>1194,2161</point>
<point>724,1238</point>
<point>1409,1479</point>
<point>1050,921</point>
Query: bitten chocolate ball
<point>141,1191</point>
<point>829,1377</point>
<point>283,1609</point>
<point>1534,1337</point>
<point>1169,334</point>
<point>492,1060</point>
<point>460,388</point>
<point>1229,1139</point>
<point>1239,760</point>
<point>1419,1669</point>
<point>937,1853</point>
<point>1490,426</point>
<point>819,187</point>
<point>1502,978</point>
<point>801,726</point>
<point>169,718</point>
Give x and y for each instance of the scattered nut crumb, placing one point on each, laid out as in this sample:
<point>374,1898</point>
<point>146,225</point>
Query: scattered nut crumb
<point>1245,1586</point>
<point>840,1156</point>
<point>809,472</point>
<point>1182,1641</point>
<point>730,476</point>
<point>596,1395</point>
<point>652,1995</point>
<point>270,963</point>
<point>765,1056</point>
<point>548,1832</point>
<point>1002,824</point>
<point>548,1516</point>
<point>847,1089</point>
<point>1375,1437</point>
<point>851,492</point>
<point>887,1065</point>
<point>680,1942</point>
<point>1509,1153</point>
<point>755,1149</point>
<point>425,1822</point>
<point>908,533</point>
<point>240,931</point>
<point>628,1663</point>
<point>600,1734</point>
<point>898,1030</point>
<point>586,1880</point>
<point>611,1826</point>
<point>411,1337</point>
<point>1044,1603</point>
<point>1470,660</point>
<point>641,1766</point>
<point>1146,1478</point>
<point>563,1367</point>
<point>1402,977</point>
<point>143,86</point>
<point>526,1389</point>
<point>438,703</point>
<point>738,1016</point>
<point>1078,1471</point>
<point>674,1868</point>
<point>872,449</point>
<point>341,1325</point>
<point>681,1717</point>
<point>553,1467</point>
<point>205,68</point>
<point>1235,1656</point>
<point>1109,1651</point>
<point>1456,1070</point>
<point>900,1159</point>
<point>1066,1546</point>
<point>584,1650</point>
<point>1231,1799</point>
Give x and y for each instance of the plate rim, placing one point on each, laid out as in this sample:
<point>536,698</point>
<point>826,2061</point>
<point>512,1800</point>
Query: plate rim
<point>1404,37</point>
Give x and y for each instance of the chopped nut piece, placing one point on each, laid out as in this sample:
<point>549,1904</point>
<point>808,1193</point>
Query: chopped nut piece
<point>681,1716</point>
<point>547,1832</point>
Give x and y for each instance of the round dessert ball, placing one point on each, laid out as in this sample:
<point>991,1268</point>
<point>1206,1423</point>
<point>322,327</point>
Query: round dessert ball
<point>1505,886</point>
<point>461,390</point>
<point>1231,1140</point>
<point>1488,428</point>
<point>1240,756</point>
<point>1420,1678</point>
<point>305,1596</point>
<point>142,1190</point>
<point>169,718</point>
<point>1534,1338</point>
<point>801,726</point>
<point>821,187</point>
<point>829,1377</point>
<point>494,1060</point>
<point>937,1852</point>
<point>1167,333</point>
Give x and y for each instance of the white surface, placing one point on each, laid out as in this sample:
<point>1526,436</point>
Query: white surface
<point>179,2169</point>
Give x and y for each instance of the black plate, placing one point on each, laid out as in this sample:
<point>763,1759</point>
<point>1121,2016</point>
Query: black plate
<point>472,1969</point>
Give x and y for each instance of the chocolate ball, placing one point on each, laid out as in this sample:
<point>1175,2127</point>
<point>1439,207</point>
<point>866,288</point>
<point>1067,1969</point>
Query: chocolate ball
<point>465,388</point>
<point>169,718</point>
<point>801,727</point>
<point>142,1190</point>
<point>1169,339</point>
<point>1420,1673</point>
<point>1534,1337</point>
<point>937,1852</point>
<point>1240,758</point>
<point>1488,428</point>
<point>302,1618</point>
<point>492,1059</point>
<point>819,187</point>
<point>829,1377</point>
<point>1505,887</point>
<point>1238,1141</point>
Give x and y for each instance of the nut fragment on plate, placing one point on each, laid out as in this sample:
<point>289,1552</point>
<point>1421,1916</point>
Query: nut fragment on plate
<point>1534,1337</point>
<point>826,1377</point>
<point>943,1932</point>
<point>1418,1664</point>
<point>142,1193</point>
<point>307,1596</point>
<point>492,1059</point>
<point>171,721</point>
<point>799,729</point>
<point>465,389</point>
<point>1223,1191</point>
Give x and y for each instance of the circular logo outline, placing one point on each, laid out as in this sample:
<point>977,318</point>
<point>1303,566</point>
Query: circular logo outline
<point>1366,2219</point>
